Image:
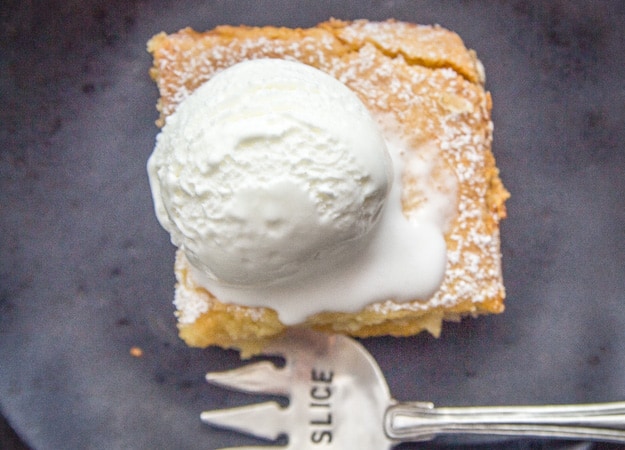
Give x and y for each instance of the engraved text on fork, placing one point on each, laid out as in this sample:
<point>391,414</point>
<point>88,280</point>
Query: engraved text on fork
<point>320,406</point>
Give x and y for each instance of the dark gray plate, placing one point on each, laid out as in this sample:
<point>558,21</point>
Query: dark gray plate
<point>86,271</point>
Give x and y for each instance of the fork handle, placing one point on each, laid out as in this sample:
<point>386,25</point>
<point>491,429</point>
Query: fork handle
<point>421,421</point>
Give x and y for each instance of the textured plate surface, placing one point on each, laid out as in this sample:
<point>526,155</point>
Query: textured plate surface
<point>86,271</point>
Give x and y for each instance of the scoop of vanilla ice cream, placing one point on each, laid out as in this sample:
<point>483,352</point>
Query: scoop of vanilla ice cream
<point>269,171</point>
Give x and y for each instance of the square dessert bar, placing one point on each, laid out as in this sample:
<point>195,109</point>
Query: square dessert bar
<point>430,87</point>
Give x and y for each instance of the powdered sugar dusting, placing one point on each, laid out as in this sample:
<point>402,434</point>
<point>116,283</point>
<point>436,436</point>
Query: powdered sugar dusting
<point>190,303</point>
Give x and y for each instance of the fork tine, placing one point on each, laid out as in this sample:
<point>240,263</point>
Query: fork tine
<point>260,377</point>
<point>264,420</point>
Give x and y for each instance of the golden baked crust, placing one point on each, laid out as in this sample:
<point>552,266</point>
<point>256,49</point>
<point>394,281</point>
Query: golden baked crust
<point>431,86</point>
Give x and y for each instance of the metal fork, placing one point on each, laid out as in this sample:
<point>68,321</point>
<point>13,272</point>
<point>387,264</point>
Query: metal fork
<point>339,399</point>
